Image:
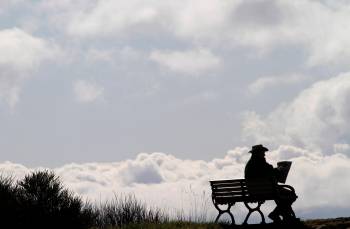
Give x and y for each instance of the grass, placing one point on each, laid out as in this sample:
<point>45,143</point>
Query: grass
<point>172,225</point>
<point>343,222</point>
<point>124,210</point>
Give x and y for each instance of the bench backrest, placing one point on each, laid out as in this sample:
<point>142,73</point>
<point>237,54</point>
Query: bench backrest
<point>228,191</point>
<point>240,190</point>
<point>261,189</point>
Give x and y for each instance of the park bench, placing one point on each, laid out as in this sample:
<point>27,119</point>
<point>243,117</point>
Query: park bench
<point>229,192</point>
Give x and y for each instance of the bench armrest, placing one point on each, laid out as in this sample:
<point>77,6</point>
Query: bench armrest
<point>287,186</point>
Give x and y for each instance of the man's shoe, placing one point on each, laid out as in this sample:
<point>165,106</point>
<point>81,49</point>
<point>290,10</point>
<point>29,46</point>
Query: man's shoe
<point>274,217</point>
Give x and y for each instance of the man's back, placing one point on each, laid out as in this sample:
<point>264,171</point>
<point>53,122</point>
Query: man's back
<point>258,168</point>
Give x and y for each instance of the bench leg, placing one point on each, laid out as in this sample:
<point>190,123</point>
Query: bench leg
<point>251,210</point>
<point>225,211</point>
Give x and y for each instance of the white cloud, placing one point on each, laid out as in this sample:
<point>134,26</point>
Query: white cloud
<point>318,117</point>
<point>320,28</point>
<point>342,148</point>
<point>192,62</point>
<point>21,50</point>
<point>314,176</point>
<point>264,83</point>
<point>20,54</point>
<point>87,92</point>
<point>204,19</point>
<point>111,17</point>
<point>172,183</point>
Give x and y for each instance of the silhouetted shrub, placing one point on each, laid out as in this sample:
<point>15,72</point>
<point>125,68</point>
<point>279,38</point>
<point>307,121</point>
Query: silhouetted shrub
<point>9,206</point>
<point>45,203</point>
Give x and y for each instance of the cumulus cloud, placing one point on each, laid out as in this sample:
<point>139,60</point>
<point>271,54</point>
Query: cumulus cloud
<point>21,53</point>
<point>318,117</point>
<point>87,92</point>
<point>172,183</point>
<point>315,175</point>
<point>319,27</point>
<point>192,62</point>
<point>342,148</point>
<point>264,83</point>
<point>111,17</point>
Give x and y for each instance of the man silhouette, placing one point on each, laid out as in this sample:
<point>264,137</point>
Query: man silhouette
<point>258,169</point>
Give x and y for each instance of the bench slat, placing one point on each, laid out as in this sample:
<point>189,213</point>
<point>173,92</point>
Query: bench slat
<point>229,196</point>
<point>231,183</point>
<point>229,189</point>
<point>229,193</point>
<point>216,187</point>
<point>237,181</point>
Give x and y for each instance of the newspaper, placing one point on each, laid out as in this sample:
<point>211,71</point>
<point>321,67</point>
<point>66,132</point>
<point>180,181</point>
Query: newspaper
<point>283,168</point>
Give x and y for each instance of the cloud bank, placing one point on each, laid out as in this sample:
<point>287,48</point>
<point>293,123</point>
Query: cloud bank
<point>171,183</point>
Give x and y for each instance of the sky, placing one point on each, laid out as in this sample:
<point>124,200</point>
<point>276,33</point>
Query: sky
<point>158,97</point>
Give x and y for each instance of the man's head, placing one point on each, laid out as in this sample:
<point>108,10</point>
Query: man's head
<point>258,151</point>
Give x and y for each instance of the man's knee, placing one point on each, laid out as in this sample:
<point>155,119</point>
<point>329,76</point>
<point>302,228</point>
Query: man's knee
<point>286,195</point>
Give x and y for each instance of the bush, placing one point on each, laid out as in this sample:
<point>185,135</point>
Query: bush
<point>9,206</point>
<point>45,203</point>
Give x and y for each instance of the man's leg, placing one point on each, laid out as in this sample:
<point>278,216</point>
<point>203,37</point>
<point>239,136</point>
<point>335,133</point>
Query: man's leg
<point>275,214</point>
<point>287,212</point>
<point>285,202</point>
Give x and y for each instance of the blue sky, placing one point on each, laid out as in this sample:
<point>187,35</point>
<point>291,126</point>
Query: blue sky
<point>105,81</point>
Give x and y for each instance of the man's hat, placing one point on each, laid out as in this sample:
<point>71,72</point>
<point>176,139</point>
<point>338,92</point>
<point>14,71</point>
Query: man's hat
<point>258,148</point>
